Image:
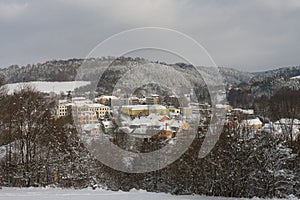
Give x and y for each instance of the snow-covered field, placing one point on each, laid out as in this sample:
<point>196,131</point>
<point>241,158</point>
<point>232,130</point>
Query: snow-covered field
<point>45,86</point>
<point>296,77</point>
<point>89,194</point>
<point>85,194</point>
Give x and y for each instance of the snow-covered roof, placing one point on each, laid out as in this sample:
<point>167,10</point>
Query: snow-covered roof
<point>79,99</point>
<point>79,104</point>
<point>145,107</point>
<point>133,98</point>
<point>108,97</point>
<point>177,123</point>
<point>221,106</point>
<point>126,129</point>
<point>141,130</point>
<point>174,114</point>
<point>158,107</point>
<point>155,120</point>
<point>166,128</point>
<point>154,116</point>
<point>95,105</point>
<point>252,122</point>
<point>288,121</point>
<point>107,123</point>
<point>248,112</point>
<point>90,113</point>
<point>88,127</point>
<point>61,101</point>
<point>267,126</point>
<point>82,103</point>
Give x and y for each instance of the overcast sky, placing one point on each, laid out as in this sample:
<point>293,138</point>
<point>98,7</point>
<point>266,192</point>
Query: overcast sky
<point>247,35</point>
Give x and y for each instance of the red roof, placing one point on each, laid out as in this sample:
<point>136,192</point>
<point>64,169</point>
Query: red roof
<point>164,118</point>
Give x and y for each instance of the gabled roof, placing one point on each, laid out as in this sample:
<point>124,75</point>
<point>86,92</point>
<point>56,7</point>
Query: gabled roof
<point>164,118</point>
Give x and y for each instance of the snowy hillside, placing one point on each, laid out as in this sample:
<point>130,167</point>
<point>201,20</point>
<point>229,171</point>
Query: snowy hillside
<point>89,194</point>
<point>47,87</point>
<point>285,72</point>
<point>296,77</point>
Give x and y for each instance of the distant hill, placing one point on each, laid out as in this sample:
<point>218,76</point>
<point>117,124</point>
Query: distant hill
<point>286,72</point>
<point>234,77</point>
<point>62,70</point>
<point>67,70</point>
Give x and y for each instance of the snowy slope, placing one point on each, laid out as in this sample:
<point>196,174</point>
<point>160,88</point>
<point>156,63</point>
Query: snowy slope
<point>44,86</point>
<point>296,77</point>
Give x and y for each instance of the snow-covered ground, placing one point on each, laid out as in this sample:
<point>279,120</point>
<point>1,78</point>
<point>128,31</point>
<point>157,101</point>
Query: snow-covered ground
<point>45,86</point>
<point>89,194</point>
<point>295,77</point>
<point>84,194</point>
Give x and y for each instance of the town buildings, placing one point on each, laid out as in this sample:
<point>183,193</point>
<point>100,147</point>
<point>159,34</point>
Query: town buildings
<point>84,110</point>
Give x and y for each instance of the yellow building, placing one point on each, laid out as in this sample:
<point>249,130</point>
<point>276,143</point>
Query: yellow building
<point>135,110</point>
<point>61,110</point>
<point>100,109</point>
<point>174,110</point>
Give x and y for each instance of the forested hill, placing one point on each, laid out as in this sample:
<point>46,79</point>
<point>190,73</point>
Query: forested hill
<point>285,73</point>
<point>62,70</point>
<point>66,70</point>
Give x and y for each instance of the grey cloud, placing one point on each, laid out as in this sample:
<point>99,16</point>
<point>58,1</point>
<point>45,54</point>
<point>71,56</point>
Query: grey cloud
<point>247,35</point>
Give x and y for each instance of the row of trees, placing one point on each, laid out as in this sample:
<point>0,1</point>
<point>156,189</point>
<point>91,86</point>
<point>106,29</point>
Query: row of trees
<point>274,104</point>
<point>239,166</point>
<point>38,149</point>
<point>284,103</point>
